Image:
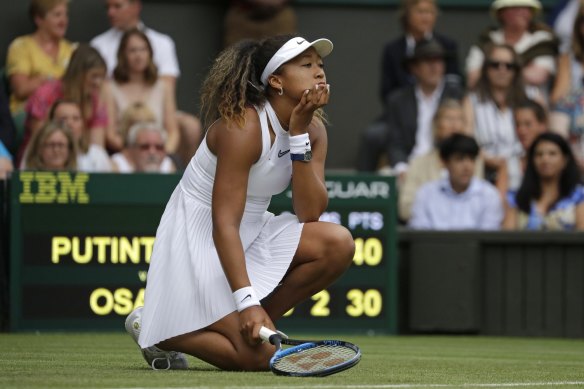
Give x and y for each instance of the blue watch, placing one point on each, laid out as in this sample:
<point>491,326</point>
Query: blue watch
<point>306,157</point>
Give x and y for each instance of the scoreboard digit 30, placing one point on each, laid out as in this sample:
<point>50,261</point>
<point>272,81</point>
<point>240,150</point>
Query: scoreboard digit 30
<point>81,244</point>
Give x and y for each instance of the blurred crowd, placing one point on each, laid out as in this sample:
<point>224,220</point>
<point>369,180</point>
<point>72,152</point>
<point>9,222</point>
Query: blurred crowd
<point>490,141</point>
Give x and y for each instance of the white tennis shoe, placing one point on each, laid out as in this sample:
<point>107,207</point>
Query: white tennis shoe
<point>156,358</point>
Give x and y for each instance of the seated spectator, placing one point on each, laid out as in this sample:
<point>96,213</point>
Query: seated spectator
<point>135,80</point>
<point>90,157</point>
<point>36,58</point>
<point>51,148</point>
<point>124,15</point>
<point>82,83</point>
<point>550,196</point>
<point>135,113</point>
<point>6,166</point>
<point>530,120</point>
<point>410,109</point>
<point>489,108</point>
<point>418,19</point>
<point>145,151</point>
<point>459,201</point>
<point>534,42</point>
<point>448,120</point>
<point>257,19</point>
<point>567,108</point>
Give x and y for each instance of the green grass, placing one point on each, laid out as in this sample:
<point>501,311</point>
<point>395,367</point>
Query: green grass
<point>113,361</point>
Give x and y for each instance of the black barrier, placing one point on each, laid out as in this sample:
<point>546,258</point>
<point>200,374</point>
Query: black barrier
<point>80,248</point>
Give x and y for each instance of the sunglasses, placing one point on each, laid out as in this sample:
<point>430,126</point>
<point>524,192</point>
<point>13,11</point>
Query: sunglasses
<point>148,146</point>
<point>501,64</point>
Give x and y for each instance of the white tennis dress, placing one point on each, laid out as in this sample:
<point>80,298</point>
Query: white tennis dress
<point>187,289</point>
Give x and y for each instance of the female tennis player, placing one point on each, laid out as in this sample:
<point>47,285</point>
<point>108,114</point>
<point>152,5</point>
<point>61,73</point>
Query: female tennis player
<point>222,266</point>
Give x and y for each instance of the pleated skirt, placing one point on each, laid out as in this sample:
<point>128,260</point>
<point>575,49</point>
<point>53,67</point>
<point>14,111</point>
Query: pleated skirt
<point>186,287</point>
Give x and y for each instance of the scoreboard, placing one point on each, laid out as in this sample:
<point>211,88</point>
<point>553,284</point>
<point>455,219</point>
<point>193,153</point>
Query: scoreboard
<point>80,246</point>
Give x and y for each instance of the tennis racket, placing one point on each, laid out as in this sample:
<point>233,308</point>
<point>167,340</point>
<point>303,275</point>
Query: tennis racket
<point>308,358</point>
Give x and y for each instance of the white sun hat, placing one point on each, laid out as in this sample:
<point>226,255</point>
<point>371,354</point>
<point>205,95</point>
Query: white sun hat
<point>293,48</point>
<point>500,4</point>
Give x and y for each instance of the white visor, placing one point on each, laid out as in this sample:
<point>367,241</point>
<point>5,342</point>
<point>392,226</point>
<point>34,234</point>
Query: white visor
<point>293,48</point>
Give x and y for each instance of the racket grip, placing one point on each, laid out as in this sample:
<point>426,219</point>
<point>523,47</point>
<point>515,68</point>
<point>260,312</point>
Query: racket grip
<point>265,333</point>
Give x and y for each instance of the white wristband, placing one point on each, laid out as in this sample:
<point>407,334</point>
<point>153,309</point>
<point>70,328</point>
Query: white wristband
<point>299,144</point>
<point>245,298</point>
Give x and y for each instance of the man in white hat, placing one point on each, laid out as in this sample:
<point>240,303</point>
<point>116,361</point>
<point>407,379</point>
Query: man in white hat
<point>533,41</point>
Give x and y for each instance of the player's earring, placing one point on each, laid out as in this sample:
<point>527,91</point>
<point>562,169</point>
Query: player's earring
<point>281,91</point>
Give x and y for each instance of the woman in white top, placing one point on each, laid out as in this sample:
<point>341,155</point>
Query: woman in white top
<point>135,79</point>
<point>489,108</point>
<point>222,266</point>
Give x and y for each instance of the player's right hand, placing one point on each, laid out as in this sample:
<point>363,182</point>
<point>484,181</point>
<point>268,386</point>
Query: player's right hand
<point>251,320</point>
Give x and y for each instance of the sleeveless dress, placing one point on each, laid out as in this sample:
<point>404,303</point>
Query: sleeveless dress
<point>186,288</point>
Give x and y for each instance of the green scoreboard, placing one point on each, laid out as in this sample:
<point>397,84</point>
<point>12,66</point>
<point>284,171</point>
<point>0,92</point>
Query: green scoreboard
<point>80,245</point>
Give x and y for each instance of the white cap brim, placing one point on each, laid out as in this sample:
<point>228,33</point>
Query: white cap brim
<point>292,49</point>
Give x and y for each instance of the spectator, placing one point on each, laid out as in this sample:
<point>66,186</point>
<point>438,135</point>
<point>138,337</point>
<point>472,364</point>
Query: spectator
<point>51,148</point>
<point>145,151</point>
<point>258,19</point>
<point>124,15</point>
<point>410,109</point>
<point>90,157</point>
<point>533,41</point>
<point>418,18</point>
<point>550,196</point>
<point>448,120</point>
<point>459,201</point>
<point>82,83</point>
<point>136,113</point>
<point>489,108</point>
<point>43,55</point>
<point>561,18</point>
<point>530,121</point>
<point>135,80</point>
<point>6,166</point>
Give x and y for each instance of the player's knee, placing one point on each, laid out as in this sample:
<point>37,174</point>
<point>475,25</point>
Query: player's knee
<point>341,249</point>
<point>256,361</point>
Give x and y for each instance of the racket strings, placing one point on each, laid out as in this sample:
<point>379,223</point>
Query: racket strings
<point>318,358</point>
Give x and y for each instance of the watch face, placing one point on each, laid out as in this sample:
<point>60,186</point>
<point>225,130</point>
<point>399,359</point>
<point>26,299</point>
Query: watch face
<point>308,155</point>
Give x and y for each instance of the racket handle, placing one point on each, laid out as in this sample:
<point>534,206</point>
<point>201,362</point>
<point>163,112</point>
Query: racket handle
<point>265,333</point>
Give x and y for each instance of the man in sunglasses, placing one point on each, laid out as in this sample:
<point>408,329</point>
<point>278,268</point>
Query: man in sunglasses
<point>145,151</point>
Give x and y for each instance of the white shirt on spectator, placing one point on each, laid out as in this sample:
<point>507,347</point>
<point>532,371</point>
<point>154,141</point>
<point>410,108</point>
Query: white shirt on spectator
<point>163,48</point>
<point>475,58</point>
<point>438,207</point>
<point>427,106</point>
<point>95,160</point>
<point>124,166</point>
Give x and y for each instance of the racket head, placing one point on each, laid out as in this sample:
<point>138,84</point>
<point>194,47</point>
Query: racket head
<point>315,358</point>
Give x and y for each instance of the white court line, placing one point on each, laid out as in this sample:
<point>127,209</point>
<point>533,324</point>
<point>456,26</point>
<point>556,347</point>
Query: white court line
<point>387,386</point>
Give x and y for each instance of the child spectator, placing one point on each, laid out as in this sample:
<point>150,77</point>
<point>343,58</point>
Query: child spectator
<point>51,148</point>
<point>43,55</point>
<point>135,80</point>
<point>459,201</point>
<point>550,196</point>
<point>90,157</point>
<point>145,151</point>
<point>82,84</point>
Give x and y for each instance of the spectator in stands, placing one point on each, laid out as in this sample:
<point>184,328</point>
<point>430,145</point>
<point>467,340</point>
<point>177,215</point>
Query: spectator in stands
<point>90,156</point>
<point>533,41</point>
<point>418,18</point>
<point>145,151</point>
<point>51,148</point>
<point>124,15</point>
<point>43,55</point>
<point>135,80</point>
<point>550,196</point>
<point>567,116</point>
<point>530,121</point>
<point>561,18</point>
<point>136,113</point>
<point>258,19</point>
<point>489,108</point>
<point>410,109</point>
<point>6,166</point>
<point>82,83</point>
<point>448,120</point>
<point>459,201</point>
